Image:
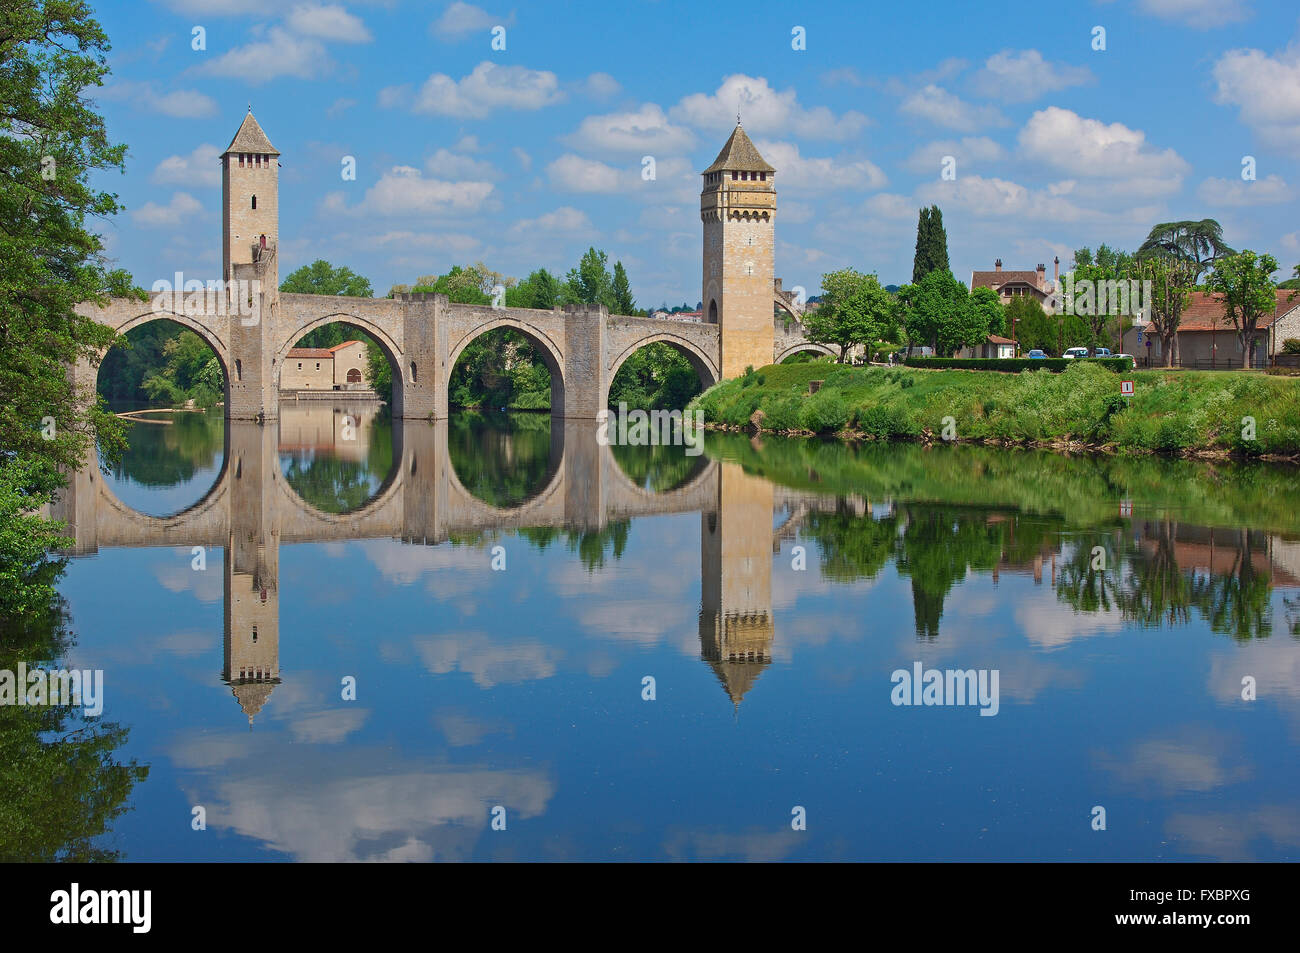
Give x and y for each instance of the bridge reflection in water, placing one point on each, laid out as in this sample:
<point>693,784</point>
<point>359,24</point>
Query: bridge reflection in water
<point>252,509</point>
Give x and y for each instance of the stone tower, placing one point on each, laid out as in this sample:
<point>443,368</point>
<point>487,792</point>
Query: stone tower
<point>250,195</point>
<point>738,208</point>
<point>250,220</point>
<point>251,664</point>
<point>736,625</point>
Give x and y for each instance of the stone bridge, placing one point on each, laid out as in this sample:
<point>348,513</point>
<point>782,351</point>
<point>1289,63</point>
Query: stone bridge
<point>422,336</point>
<point>251,511</point>
<point>421,501</point>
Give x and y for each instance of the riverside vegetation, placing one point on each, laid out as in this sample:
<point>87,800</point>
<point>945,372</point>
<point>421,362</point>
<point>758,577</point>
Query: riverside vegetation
<point>1187,412</point>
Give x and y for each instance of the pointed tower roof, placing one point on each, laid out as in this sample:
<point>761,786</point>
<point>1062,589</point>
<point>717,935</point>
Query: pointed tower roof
<point>738,677</point>
<point>251,138</point>
<point>739,154</point>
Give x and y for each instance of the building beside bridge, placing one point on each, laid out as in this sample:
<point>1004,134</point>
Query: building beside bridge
<point>341,367</point>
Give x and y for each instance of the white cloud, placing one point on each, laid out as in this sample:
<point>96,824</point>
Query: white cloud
<point>764,110</point>
<point>889,205</point>
<point>927,158</point>
<point>1266,91</point>
<point>328,22</point>
<point>525,160</point>
<point>644,131</point>
<point>573,173</point>
<point>404,191</point>
<point>601,86</point>
<point>948,110</point>
<point>1089,147</point>
<point>178,104</point>
<point>1199,14</point>
<point>1022,76</point>
<point>813,175</point>
<point>1270,190</point>
<point>449,165</point>
<point>201,167</point>
<point>487,88</point>
<point>994,197</point>
<point>280,54</point>
<point>563,219</point>
<point>461,18</point>
<point>181,208</point>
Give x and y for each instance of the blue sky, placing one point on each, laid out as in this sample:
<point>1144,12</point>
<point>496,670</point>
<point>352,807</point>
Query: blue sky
<point>523,157</point>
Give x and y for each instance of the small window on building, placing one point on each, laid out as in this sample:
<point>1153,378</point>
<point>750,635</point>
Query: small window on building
<point>413,378</point>
<point>254,201</point>
<point>735,176</point>
<point>300,365</point>
<point>318,365</point>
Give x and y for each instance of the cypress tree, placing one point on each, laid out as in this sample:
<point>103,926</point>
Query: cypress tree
<point>931,244</point>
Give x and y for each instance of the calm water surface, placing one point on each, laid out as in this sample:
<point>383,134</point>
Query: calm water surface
<point>770,589</point>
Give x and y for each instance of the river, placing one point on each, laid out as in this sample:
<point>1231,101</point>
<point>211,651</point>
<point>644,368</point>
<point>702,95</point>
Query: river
<point>335,638</point>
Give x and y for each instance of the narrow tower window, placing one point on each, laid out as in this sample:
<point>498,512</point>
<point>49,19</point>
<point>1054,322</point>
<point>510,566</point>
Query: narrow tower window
<point>254,201</point>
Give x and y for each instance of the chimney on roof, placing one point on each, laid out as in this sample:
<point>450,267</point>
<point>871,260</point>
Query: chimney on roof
<point>997,265</point>
<point>1056,269</point>
<point>1042,275</point>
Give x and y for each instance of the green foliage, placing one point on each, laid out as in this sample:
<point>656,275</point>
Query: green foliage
<point>1244,281</point>
<point>854,310</point>
<point>931,244</point>
<point>52,145</point>
<point>621,292</point>
<point>1184,410</point>
<point>322,278</point>
<point>940,312</point>
<point>1291,346</point>
<point>824,412</point>
<point>655,377</point>
<point>1198,244</point>
<point>1016,364</point>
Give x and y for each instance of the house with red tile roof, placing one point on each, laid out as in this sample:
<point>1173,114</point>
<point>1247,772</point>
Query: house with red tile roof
<point>1208,339</point>
<point>1013,284</point>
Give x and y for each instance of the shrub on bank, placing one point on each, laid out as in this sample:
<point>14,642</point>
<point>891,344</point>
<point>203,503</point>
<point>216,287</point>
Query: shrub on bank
<point>1014,364</point>
<point>1170,410</point>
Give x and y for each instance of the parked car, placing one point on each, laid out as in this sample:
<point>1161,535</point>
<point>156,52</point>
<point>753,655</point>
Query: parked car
<point>1102,352</point>
<point>1072,352</point>
<point>1128,357</point>
<point>1036,355</point>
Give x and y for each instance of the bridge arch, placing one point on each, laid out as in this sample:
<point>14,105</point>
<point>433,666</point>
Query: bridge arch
<point>392,352</point>
<point>210,336</point>
<point>551,354</point>
<point>785,306</point>
<point>701,362</point>
<point>803,346</point>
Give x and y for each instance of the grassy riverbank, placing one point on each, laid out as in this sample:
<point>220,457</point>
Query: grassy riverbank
<point>1187,412</point>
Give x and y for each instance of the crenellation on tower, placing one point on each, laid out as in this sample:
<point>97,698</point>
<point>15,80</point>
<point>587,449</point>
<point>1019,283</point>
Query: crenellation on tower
<point>738,209</point>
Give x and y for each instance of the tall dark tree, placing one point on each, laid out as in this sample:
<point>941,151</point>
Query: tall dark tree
<point>1200,243</point>
<point>621,291</point>
<point>931,244</point>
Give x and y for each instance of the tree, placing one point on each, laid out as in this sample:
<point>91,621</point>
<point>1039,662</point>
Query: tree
<point>1108,265</point>
<point>1198,243</point>
<point>854,310</point>
<point>621,292</point>
<point>988,312</point>
<point>322,278</point>
<point>1172,280</point>
<point>940,311</point>
<point>931,244</point>
<point>590,282</point>
<point>51,145</point>
<point>1031,326</point>
<point>1245,283</point>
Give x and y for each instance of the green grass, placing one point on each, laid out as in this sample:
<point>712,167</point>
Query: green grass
<point>1171,411</point>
